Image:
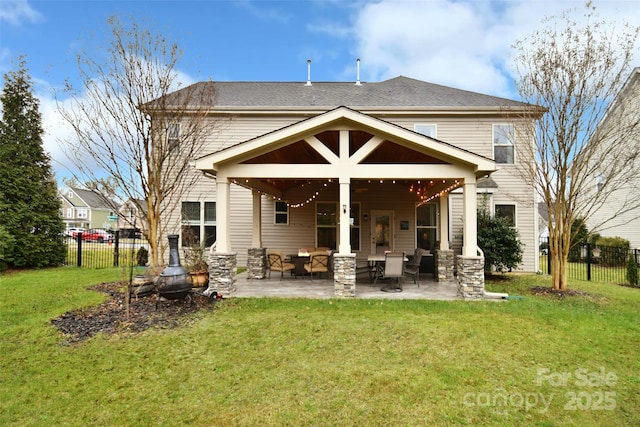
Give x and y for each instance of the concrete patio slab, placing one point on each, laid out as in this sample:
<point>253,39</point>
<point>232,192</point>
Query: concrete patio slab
<point>303,287</point>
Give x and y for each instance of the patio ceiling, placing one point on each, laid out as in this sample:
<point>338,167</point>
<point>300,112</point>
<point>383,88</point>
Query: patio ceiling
<point>424,190</point>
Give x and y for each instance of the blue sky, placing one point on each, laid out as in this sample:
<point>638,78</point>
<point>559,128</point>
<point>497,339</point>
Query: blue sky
<point>463,43</point>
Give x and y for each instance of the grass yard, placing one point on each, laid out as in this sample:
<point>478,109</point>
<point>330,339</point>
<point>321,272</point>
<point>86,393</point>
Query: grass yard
<point>539,360</point>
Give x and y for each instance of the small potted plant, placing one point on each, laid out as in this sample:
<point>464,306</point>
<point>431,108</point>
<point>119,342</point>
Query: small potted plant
<point>194,254</point>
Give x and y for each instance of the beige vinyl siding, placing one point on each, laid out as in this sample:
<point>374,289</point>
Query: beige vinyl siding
<point>456,212</point>
<point>470,133</point>
<point>238,129</point>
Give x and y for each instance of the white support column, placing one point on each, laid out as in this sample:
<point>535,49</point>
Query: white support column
<point>444,222</point>
<point>470,232</point>
<point>223,199</point>
<point>344,247</point>
<point>256,230</point>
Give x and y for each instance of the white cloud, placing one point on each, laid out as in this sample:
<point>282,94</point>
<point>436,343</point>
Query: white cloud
<point>461,44</point>
<point>16,11</point>
<point>58,132</point>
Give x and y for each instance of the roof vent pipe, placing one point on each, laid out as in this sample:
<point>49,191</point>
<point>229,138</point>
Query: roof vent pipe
<point>358,72</point>
<point>308,73</point>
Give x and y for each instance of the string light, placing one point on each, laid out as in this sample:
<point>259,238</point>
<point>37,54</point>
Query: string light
<point>423,192</point>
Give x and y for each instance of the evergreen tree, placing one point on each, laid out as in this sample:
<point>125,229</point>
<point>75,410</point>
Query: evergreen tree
<point>29,204</point>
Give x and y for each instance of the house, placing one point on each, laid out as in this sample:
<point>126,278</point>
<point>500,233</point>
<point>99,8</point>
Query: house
<point>86,209</point>
<point>360,168</point>
<point>132,217</point>
<point>608,219</point>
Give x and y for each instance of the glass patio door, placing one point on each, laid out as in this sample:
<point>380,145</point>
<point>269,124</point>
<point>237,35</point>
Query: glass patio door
<point>381,231</point>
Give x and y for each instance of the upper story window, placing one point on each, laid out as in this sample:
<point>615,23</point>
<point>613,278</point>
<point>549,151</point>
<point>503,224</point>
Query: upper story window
<point>504,143</point>
<point>70,195</point>
<point>173,135</point>
<point>281,213</point>
<point>82,213</point>
<point>426,129</point>
<point>599,182</point>
<point>508,212</point>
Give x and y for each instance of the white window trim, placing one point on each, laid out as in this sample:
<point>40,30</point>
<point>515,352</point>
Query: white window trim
<point>435,129</point>
<point>515,211</point>
<point>173,139</point>
<point>201,222</point>
<point>494,145</point>
<point>276,212</point>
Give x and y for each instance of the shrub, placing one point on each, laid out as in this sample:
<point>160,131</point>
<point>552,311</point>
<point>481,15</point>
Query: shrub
<point>499,242</point>
<point>142,256</point>
<point>614,251</point>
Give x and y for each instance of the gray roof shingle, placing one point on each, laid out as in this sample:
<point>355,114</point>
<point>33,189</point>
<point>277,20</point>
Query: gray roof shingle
<point>394,93</point>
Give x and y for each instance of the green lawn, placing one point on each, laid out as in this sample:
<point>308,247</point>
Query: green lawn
<point>539,360</point>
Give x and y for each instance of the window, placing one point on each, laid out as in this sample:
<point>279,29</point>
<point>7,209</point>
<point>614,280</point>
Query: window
<point>508,212</point>
<point>355,226</point>
<point>82,213</point>
<point>503,143</point>
<point>69,212</point>
<point>281,213</point>
<point>326,224</point>
<point>173,135</point>
<point>599,182</point>
<point>426,130</point>
<point>198,223</point>
<point>426,225</point>
<point>70,195</point>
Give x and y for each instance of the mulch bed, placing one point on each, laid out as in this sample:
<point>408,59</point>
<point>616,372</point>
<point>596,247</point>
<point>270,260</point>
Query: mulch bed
<point>110,317</point>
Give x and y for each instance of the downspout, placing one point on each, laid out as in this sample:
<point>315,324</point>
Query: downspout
<point>491,295</point>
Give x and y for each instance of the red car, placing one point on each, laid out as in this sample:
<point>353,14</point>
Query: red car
<point>97,235</point>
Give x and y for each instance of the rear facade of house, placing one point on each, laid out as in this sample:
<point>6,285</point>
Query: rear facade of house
<point>415,124</point>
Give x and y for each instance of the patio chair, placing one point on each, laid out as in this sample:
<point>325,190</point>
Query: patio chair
<point>393,269</point>
<point>412,267</point>
<point>365,266</point>
<point>318,263</point>
<point>277,263</point>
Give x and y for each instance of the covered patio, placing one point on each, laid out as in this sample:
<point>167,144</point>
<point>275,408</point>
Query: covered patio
<point>292,287</point>
<point>360,159</point>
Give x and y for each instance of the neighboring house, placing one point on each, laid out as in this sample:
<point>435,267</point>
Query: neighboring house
<point>624,111</point>
<point>360,168</point>
<point>86,209</point>
<point>131,217</point>
<point>543,221</point>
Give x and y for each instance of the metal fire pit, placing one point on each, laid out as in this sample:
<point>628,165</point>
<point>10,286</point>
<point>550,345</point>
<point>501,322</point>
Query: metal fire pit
<point>174,282</point>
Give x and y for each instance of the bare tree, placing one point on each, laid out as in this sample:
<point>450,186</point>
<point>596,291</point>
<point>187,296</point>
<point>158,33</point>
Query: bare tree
<point>575,70</point>
<point>133,135</point>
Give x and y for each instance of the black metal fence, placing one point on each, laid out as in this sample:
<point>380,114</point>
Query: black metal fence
<point>102,254</point>
<point>596,263</point>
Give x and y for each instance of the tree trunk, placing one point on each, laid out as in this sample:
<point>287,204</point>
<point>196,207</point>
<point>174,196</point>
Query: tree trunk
<point>559,253</point>
<point>153,224</point>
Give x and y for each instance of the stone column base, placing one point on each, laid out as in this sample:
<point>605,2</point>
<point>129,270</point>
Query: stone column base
<point>470,277</point>
<point>257,263</point>
<point>344,275</point>
<point>444,265</point>
<point>222,273</point>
